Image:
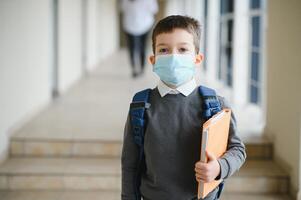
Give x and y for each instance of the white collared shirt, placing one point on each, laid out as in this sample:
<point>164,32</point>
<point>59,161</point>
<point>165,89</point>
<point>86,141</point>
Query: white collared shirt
<point>185,89</point>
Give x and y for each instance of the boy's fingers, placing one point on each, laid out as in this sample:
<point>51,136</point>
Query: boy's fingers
<point>198,175</point>
<point>210,156</point>
<point>200,165</point>
<point>202,175</point>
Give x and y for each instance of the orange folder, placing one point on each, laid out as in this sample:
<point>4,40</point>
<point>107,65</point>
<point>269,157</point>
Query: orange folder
<point>215,135</point>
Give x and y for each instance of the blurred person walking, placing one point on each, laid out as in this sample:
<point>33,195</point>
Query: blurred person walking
<point>138,19</point>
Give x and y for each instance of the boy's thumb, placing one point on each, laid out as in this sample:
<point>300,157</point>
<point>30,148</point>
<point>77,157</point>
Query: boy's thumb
<point>210,156</point>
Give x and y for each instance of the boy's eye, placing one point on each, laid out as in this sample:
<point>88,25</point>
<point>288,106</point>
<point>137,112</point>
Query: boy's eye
<point>163,50</point>
<point>182,50</point>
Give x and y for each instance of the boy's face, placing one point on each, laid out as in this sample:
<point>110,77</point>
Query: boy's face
<point>179,41</point>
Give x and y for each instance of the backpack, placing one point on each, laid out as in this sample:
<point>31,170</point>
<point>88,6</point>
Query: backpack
<point>140,103</point>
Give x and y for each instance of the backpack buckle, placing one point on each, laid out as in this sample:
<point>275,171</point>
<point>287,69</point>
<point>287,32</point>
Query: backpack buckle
<point>214,110</point>
<point>139,104</point>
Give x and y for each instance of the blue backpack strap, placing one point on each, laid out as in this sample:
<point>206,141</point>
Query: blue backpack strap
<point>138,106</point>
<point>220,189</point>
<point>211,104</point>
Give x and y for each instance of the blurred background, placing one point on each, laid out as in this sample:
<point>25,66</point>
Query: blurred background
<point>66,85</point>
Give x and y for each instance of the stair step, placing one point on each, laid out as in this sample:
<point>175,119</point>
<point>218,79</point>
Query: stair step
<point>259,148</point>
<point>19,147</point>
<point>64,148</point>
<point>260,177</point>
<point>60,173</point>
<point>254,197</point>
<point>105,174</point>
<point>59,195</point>
<point>114,195</point>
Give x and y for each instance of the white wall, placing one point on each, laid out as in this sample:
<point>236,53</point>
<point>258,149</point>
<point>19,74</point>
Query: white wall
<point>212,41</point>
<point>92,19</point>
<point>240,53</point>
<point>175,7</point>
<point>102,31</point>
<point>188,7</point>
<point>283,85</point>
<point>24,62</point>
<point>69,48</point>
<point>26,53</point>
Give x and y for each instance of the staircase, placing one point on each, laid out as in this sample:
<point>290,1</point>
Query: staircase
<point>38,164</point>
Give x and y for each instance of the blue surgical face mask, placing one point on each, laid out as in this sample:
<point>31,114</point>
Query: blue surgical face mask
<point>175,69</point>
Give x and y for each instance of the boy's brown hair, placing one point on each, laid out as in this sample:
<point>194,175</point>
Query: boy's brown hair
<point>168,24</point>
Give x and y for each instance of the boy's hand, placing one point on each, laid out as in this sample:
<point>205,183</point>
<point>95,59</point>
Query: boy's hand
<point>207,172</point>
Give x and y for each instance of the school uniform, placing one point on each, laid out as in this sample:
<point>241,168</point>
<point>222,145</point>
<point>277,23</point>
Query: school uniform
<point>172,146</point>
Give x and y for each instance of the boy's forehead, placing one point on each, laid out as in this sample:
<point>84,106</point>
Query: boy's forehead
<point>176,36</point>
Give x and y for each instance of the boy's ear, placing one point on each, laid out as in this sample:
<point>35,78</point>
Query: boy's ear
<point>199,58</point>
<point>151,59</point>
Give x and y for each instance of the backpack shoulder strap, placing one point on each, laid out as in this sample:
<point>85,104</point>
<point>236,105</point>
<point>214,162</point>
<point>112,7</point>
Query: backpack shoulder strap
<point>138,106</point>
<point>211,104</point>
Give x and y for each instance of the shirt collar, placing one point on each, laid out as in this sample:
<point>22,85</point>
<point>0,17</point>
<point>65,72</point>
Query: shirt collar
<point>185,89</point>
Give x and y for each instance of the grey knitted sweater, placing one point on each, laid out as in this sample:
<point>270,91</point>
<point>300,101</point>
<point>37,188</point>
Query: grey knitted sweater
<point>172,147</point>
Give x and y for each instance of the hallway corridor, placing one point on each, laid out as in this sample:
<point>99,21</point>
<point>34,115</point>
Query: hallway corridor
<point>71,150</point>
<point>95,108</point>
<point>66,87</point>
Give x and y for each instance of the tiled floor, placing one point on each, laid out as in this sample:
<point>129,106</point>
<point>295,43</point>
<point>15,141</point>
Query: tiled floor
<point>90,109</point>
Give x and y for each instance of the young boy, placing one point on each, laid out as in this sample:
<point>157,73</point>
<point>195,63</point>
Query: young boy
<point>172,139</point>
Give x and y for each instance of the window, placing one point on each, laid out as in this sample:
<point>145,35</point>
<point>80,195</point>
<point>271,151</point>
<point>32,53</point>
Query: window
<point>225,68</point>
<point>256,51</point>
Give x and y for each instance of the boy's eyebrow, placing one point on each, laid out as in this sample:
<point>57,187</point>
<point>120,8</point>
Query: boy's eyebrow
<point>164,44</point>
<point>161,44</point>
<point>184,43</point>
